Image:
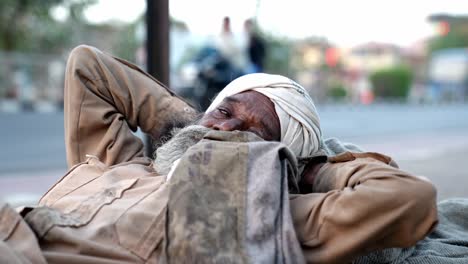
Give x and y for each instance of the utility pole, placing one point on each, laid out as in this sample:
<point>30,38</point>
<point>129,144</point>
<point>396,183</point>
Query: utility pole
<point>157,47</point>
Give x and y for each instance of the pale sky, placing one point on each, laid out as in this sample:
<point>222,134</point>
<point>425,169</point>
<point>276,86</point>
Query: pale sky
<point>345,23</point>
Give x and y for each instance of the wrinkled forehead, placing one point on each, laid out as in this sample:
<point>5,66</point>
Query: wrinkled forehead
<point>256,106</point>
<point>253,101</point>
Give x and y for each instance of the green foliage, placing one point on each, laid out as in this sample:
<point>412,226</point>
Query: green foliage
<point>392,82</point>
<point>27,25</point>
<point>337,91</point>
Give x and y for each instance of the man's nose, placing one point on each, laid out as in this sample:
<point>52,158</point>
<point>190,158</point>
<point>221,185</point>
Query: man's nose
<point>228,125</point>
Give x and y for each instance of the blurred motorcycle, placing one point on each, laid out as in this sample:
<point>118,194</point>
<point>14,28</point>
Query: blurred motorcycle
<point>206,75</point>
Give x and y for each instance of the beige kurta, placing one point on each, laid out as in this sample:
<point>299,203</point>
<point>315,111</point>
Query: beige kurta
<point>360,204</point>
<point>111,206</point>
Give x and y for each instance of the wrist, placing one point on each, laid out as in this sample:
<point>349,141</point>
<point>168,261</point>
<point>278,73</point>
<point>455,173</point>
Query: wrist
<point>309,175</point>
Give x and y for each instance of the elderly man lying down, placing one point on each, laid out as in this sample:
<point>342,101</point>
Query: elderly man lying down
<point>251,181</point>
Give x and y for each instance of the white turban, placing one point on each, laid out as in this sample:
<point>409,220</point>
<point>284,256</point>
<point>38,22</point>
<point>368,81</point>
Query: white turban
<point>299,121</point>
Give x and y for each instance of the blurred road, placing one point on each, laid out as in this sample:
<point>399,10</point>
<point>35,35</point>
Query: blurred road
<point>31,142</point>
<point>427,140</point>
<point>430,141</point>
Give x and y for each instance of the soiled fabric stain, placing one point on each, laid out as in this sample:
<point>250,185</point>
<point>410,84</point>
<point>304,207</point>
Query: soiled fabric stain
<point>212,215</point>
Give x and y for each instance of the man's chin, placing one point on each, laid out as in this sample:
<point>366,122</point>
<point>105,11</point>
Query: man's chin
<point>176,146</point>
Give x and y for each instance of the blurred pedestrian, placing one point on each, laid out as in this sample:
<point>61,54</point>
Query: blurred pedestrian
<point>255,47</point>
<point>230,47</point>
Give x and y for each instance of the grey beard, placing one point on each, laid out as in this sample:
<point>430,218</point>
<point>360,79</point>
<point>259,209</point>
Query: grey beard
<point>173,149</point>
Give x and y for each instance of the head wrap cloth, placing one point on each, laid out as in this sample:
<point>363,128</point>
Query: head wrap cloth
<point>298,118</point>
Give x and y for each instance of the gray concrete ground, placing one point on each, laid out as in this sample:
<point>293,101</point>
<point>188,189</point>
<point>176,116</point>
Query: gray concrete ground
<point>430,141</point>
<point>441,158</point>
<point>427,140</point>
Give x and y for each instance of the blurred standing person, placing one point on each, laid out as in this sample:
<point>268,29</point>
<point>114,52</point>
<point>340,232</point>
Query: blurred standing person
<point>255,47</point>
<point>229,47</point>
<point>220,61</point>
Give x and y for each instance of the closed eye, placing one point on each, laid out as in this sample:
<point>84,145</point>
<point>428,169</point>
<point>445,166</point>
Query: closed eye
<point>224,112</point>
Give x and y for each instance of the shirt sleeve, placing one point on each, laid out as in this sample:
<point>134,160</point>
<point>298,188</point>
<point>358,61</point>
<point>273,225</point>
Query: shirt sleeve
<point>359,206</point>
<point>105,99</point>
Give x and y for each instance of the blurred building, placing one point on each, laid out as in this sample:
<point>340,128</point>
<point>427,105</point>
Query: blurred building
<point>372,56</point>
<point>308,61</point>
<point>447,73</point>
<point>326,70</point>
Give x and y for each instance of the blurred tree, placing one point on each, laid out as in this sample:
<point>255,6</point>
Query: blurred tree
<point>28,29</point>
<point>27,25</point>
<point>127,44</point>
<point>337,91</point>
<point>392,82</point>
